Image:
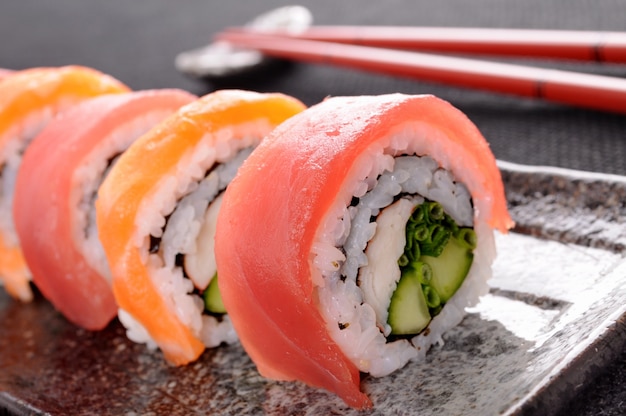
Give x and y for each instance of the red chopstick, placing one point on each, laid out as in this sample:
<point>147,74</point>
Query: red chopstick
<point>578,89</point>
<point>555,44</point>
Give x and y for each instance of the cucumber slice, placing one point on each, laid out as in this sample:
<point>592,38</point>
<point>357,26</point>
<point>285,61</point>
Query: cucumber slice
<point>449,268</point>
<point>212,298</point>
<point>408,311</point>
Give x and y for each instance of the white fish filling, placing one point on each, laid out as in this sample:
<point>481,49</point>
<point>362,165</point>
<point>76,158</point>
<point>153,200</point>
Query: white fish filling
<point>348,246</point>
<point>175,214</point>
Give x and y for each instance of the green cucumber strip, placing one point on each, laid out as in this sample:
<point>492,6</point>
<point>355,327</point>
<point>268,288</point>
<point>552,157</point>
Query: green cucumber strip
<point>212,298</point>
<point>449,268</point>
<point>408,311</point>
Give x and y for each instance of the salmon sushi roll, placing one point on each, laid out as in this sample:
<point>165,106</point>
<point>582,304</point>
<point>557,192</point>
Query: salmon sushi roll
<point>156,214</point>
<point>61,170</point>
<point>355,235</point>
<point>29,100</point>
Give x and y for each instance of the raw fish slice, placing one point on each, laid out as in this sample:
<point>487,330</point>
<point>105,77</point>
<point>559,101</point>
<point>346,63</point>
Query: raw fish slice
<point>30,99</point>
<point>61,170</point>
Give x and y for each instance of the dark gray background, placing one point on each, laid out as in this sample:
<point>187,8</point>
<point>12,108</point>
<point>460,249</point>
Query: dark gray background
<point>136,41</point>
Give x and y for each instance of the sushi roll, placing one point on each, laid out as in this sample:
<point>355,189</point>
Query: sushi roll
<point>61,170</point>
<point>355,235</point>
<point>29,100</point>
<point>156,214</point>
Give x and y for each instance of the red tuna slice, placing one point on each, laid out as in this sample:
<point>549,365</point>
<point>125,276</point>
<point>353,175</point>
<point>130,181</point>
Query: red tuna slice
<point>55,193</point>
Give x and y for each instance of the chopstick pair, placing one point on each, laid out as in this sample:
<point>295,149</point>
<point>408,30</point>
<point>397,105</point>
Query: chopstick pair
<point>384,50</point>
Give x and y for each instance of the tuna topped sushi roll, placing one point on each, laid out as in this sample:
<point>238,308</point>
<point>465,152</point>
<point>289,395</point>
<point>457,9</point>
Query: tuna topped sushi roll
<point>29,100</point>
<point>156,214</point>
<point>61,170</point>
<point>356,235</point>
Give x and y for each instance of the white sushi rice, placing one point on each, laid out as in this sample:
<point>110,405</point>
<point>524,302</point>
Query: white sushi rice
<point>174,213</point>
<point>17,140</point>
<point>86,180</point>
<point>339,250</point>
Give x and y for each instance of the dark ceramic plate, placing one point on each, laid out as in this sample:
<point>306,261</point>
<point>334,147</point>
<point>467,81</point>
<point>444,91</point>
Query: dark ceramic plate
<point>555,316</point>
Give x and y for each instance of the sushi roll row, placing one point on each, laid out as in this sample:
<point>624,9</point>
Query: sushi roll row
<point>341,239</point>
<point>167,156</point>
